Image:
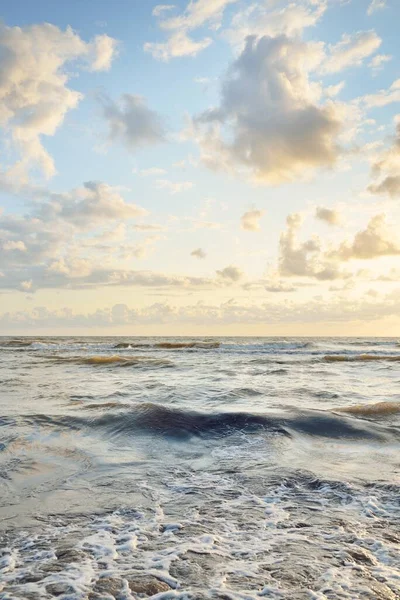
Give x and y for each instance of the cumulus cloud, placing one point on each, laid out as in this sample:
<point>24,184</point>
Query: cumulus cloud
<point>388,165</point>
<point>173,187</point>
<point>198,253</point>
<point>304,259</point>
<point>230,273</point>
<point>48,241</point>
<point>270,119</point>
<point>373,242</point>
<point>93,204</point>
<point>330,216</point>
<point>198,13</point>
<point>351,51</point>
<point>131,122</point>
<point>250,220</point>
<point>34,96</point>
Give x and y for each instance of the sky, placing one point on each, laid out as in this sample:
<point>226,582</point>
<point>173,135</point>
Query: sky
<point>211,167</point>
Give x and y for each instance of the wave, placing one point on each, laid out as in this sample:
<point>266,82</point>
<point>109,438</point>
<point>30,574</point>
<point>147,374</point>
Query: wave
<point>360,357</point>
<point>16,343</point>
<point>115,360</point>
<point>372,410</point>
<point>170,345</point>
<point>161,420</point>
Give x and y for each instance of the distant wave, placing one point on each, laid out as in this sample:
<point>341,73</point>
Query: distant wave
<point>115,360</point>
<point>372,410</point>
<point>170,345</point>
<point>360,357</point>
<point>16,343</point>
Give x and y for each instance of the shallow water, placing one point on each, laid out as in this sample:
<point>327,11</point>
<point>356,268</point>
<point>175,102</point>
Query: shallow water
<point>199,468</point>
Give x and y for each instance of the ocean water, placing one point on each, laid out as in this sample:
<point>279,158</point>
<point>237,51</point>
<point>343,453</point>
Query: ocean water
<point>230,468</point>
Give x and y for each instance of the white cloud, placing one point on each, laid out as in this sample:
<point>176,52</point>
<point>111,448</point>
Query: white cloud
<point>304,259</point>
<point>198,253</point>
<point>374,241</point>
<point>351,51</point>
<point>160,9</point>
<point>173,187</point>
<point>383,97</point>
<point>375,5</point>
<point>330,216</point>
<point>273,19</point>
<point>93,204</point>
<point>198,13</point>
<point>131,122</point>
<point>388,165</point>
<point>334,90</point>
<point>270,120</point>
<point>230,273</point>
<point>378,61</point>
<point>34,97</point>
<point>250,220</point>
<point>14,245</point>
<point>103,50</point>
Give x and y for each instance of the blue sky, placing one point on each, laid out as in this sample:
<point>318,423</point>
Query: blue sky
<point>275,156</point>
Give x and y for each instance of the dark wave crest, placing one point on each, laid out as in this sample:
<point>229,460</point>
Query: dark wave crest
<point>156,419</point>
<point>170,345</point>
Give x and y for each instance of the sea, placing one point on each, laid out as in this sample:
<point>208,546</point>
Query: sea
<point>196,468</point>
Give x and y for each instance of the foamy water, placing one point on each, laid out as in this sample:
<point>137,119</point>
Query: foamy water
<point>199,468</point>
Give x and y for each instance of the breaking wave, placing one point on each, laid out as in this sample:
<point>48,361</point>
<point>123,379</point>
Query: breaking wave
<point>170,345</point>
<point>360,357</point>
<point>116,360</point>
<point>372,410</point>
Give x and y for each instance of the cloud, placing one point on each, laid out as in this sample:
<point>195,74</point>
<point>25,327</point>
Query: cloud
<point>250,220</point>
<point>160,9</point>
<point>334,90</point>
<point>93,204</point>
<point>103,50</point>
<point>173,187</point>
<point>198,253</point>
<point>14,245</point>
<point>351,51</point>
<point>54,233</point>
<point>388,165</point>
<point>378,61</point>
<point>230,273</point>
<point>34,97</point>
<point>198,13</point>
<point>383,97</point>
<point>319,310</point>
<point>279,287</point>
<point>304,259</point>
<point>330,216</point>
<point>389,186</point>
<point>270,121</point>
<point>131,122</point>
<point>373,242</point>
<point>375,5</point>
<point>263,18</point>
